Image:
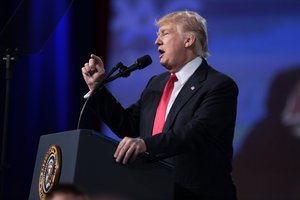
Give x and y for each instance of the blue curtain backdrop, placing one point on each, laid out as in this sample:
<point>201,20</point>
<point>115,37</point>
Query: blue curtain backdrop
<point>47,86</point>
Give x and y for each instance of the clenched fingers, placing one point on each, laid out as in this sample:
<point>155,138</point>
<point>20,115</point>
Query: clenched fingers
<point>97,62</point>
<point>93,71</point>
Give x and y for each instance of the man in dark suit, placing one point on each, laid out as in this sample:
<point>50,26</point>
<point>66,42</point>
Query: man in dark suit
<point>186,114</point>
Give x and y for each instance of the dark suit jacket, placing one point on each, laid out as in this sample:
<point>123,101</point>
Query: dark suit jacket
<point>198,131</point>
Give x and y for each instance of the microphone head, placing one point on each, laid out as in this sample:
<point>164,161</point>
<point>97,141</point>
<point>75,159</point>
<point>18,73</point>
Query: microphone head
<point>143,61</point>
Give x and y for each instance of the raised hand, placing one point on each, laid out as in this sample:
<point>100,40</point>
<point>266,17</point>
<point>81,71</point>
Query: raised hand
<point>93,71</point>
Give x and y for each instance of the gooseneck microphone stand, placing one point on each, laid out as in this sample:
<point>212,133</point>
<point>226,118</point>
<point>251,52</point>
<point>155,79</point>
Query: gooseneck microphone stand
<point>105,80</point>
<point>124,71</point>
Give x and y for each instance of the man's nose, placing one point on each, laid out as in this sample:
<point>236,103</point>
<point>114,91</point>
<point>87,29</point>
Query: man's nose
<point>158,41</point>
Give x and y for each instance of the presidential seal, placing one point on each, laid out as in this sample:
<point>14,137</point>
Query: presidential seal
<point>50,171</point>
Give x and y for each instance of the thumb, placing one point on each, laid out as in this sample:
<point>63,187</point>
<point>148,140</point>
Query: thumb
<point>98,62</point>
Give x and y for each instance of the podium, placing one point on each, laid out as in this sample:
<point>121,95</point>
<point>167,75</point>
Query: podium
<point>87,161</point>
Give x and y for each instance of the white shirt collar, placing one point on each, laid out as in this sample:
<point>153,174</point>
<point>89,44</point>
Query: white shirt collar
<point>188,69</point>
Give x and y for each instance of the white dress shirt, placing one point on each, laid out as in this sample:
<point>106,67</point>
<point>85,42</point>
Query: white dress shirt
<point>183,75</point>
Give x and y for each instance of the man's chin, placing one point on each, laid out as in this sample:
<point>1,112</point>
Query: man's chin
<point>163,63</point>
<point>167,67</point>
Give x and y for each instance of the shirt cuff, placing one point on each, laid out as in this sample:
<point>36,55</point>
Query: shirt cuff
<point>87,95</point>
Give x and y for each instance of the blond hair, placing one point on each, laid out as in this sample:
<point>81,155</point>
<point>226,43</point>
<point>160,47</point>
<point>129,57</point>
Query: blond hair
<point>190,22</point>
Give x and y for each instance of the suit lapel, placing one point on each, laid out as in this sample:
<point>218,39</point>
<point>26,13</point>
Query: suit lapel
<point>190,88</point>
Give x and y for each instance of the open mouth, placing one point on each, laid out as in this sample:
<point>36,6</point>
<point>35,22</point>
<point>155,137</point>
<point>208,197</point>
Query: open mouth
<point>161,52</point>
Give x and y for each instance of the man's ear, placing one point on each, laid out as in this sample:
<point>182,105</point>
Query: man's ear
<point>189,40</point>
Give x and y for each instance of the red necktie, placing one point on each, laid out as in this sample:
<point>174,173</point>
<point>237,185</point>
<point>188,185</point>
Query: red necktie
<point>162,106</point>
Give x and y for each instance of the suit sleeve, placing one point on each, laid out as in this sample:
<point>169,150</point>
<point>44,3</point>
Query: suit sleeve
<point>123,122</point>
<point>211,123</point>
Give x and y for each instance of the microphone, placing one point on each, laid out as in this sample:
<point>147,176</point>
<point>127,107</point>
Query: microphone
<point>140,63</point>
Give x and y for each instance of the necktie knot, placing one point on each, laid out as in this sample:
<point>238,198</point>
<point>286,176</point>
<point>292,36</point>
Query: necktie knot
<point>173,78</point>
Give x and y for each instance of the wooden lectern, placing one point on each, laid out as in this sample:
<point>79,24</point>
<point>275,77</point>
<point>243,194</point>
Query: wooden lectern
<point>87,161</point>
